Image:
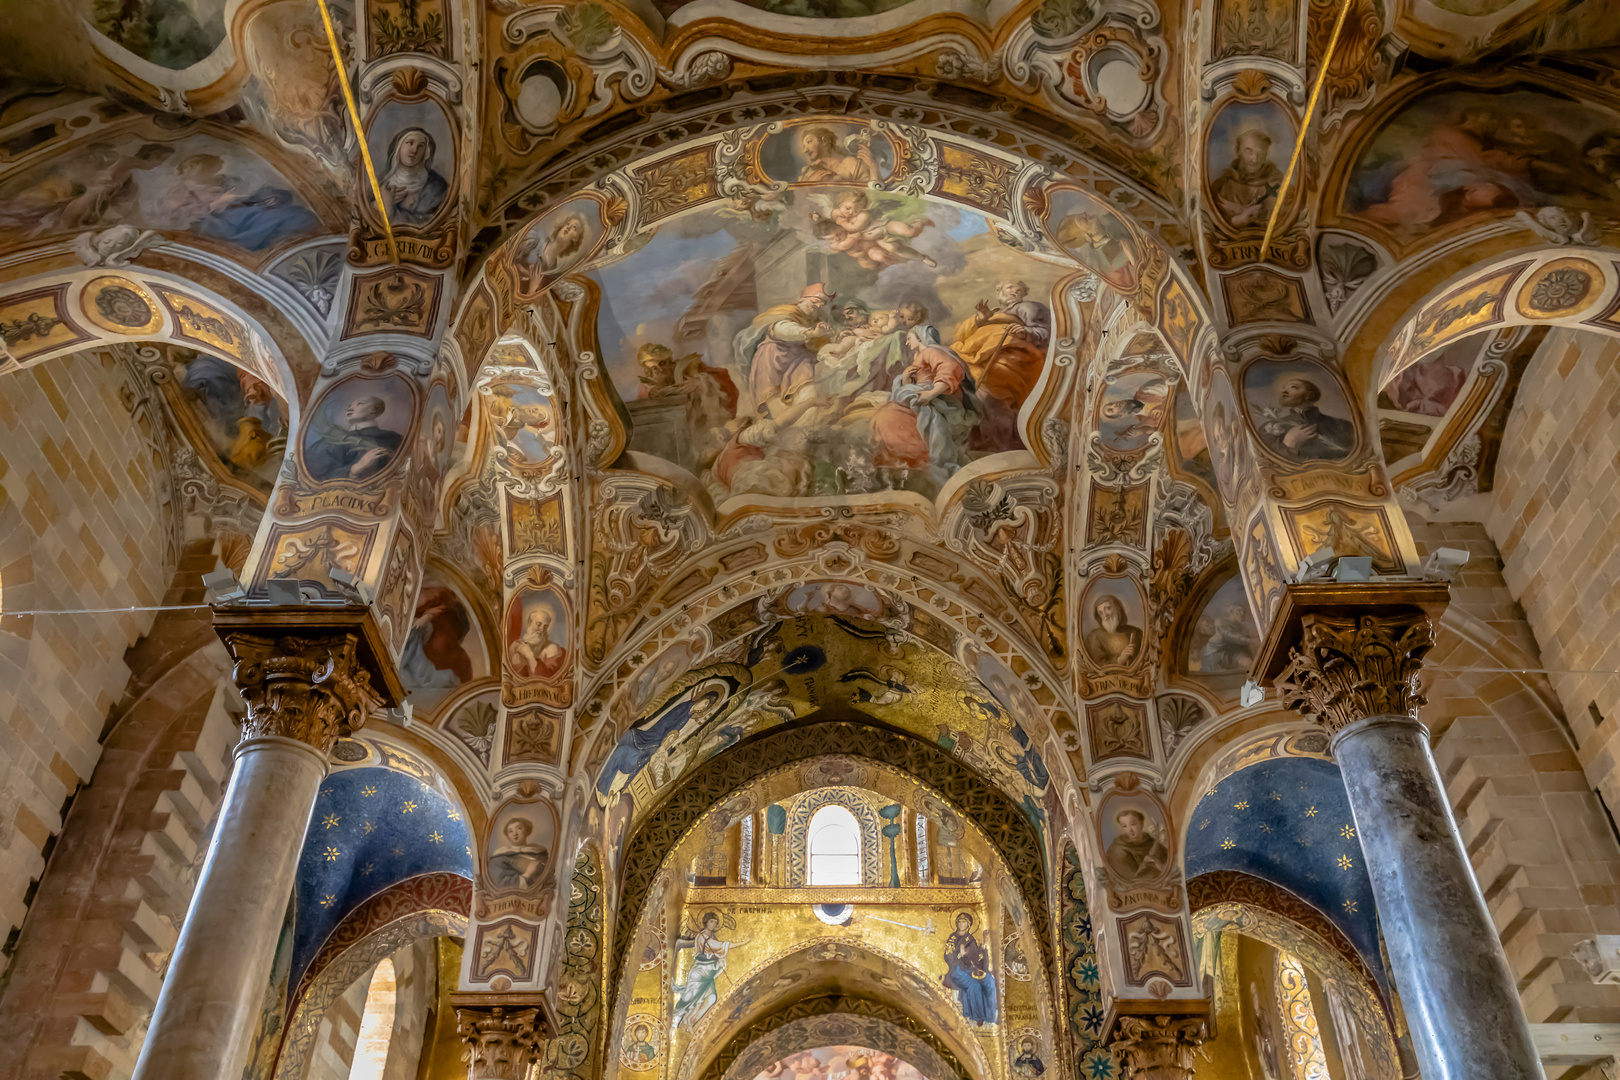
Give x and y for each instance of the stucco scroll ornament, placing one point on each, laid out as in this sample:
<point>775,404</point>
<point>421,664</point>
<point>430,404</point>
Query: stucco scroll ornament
<point>1009,529</point>
<point>615,58</point>
<point>1159,1047</point>
<point>312,689</point>
<point>502,1043</point>
<point>1345,670</point>
<point>921,154</point>
<point>1110,467</point>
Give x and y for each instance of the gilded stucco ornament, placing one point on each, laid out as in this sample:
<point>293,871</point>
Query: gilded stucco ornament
<point>308,672</point>
<point>1347,669</point>
<point>501,1042</point>
<point>304,688</point>
<point>1159,1047</point>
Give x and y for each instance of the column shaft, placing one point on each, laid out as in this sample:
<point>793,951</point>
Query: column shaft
<point>216,978</point>
<point>1456,986</point>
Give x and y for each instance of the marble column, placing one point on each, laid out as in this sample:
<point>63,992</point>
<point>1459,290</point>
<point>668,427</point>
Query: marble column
<point>502,1041</point>
<point>1357,674</point>
<point>308,675</point>
<point>1158,1047</point>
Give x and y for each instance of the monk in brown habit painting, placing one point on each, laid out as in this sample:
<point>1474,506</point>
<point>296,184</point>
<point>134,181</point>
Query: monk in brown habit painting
<point>1114,640</point>
<point>1135,853</point>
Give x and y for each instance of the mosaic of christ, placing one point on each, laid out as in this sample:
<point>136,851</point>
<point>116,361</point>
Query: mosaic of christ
<point>826,342</point>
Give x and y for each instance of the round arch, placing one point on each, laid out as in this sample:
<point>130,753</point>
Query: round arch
<point>1257,909</point>
<point>433,905</point>
<point>844,732</point>
<point>837,964</point>
<point>67,312</point>
<point>833,1019</point>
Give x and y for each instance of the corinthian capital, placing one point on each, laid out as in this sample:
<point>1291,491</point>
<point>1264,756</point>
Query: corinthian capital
<point>502,1041</point>
<point>1158,1047</point>
<point>1346,669</point>
<point>307,673</point>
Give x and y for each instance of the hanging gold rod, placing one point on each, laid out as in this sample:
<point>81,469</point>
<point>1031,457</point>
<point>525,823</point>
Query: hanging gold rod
<point>1304,128</point>
<point>359,134</point>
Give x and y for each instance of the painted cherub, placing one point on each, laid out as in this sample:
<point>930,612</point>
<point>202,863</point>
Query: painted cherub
<point>873,238</point>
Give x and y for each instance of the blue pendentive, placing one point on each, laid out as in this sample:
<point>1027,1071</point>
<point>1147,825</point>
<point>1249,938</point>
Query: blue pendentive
<point>372,828</point>
<point>1287,821</point>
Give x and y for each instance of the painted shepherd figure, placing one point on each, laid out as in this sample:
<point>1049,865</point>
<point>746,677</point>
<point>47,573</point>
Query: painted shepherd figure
<point>778,349</point>
<point>1005,349</point>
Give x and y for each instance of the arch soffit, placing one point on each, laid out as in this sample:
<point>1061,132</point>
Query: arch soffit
<point>1237,741</point>
<point>433,905</point>
<point>795,1028</point>
<point>705,620</point>
<point>842,962</point>
<point>86,307</point>
<point>1275,916</point>
<point>997,817</point>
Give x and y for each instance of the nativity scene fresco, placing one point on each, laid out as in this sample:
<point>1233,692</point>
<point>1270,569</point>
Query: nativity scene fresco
<point>841,342</point>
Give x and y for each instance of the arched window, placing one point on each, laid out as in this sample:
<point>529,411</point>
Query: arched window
<point>834,847</point>
<point>376,1026</point>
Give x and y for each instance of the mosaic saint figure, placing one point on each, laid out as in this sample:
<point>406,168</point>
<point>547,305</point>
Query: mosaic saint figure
<point>677,721</point>
<point>1027,1064</point>
<point>1135,853</point>
<point>638,1047</point>
<point>697,993</point>
<point>967,971</point>
<point>413,189</point>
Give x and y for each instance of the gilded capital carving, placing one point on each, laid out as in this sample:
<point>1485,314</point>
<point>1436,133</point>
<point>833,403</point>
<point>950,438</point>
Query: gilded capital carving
<point>1347,669</point>
<point>1158,1047</point>
<point>309,688</point>
<point>501,1041</point>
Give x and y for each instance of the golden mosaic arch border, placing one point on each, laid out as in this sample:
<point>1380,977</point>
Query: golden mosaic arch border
<point>997,816</point>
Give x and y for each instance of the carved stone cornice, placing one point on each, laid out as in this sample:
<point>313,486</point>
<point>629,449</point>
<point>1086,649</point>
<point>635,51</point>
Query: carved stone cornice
<point>1345,670</point>
<point>1343,652</point>
<point>503,1037</point>
<point>306,672</point>
<point>1158,1047</point>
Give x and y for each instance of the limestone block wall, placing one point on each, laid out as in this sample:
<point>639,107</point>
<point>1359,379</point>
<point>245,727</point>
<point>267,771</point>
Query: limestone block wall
<point>416,991</point>
<point>80,527</point>
<point>1542,847</point>
<point>1555,514</point>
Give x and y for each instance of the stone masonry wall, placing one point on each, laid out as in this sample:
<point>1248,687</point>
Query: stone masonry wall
<point>1542,847</point>
<point>1555,515</point>
<point>80,528</point>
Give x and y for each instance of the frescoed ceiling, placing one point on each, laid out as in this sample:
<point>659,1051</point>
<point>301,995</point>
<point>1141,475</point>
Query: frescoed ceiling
<point>677,380</point>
